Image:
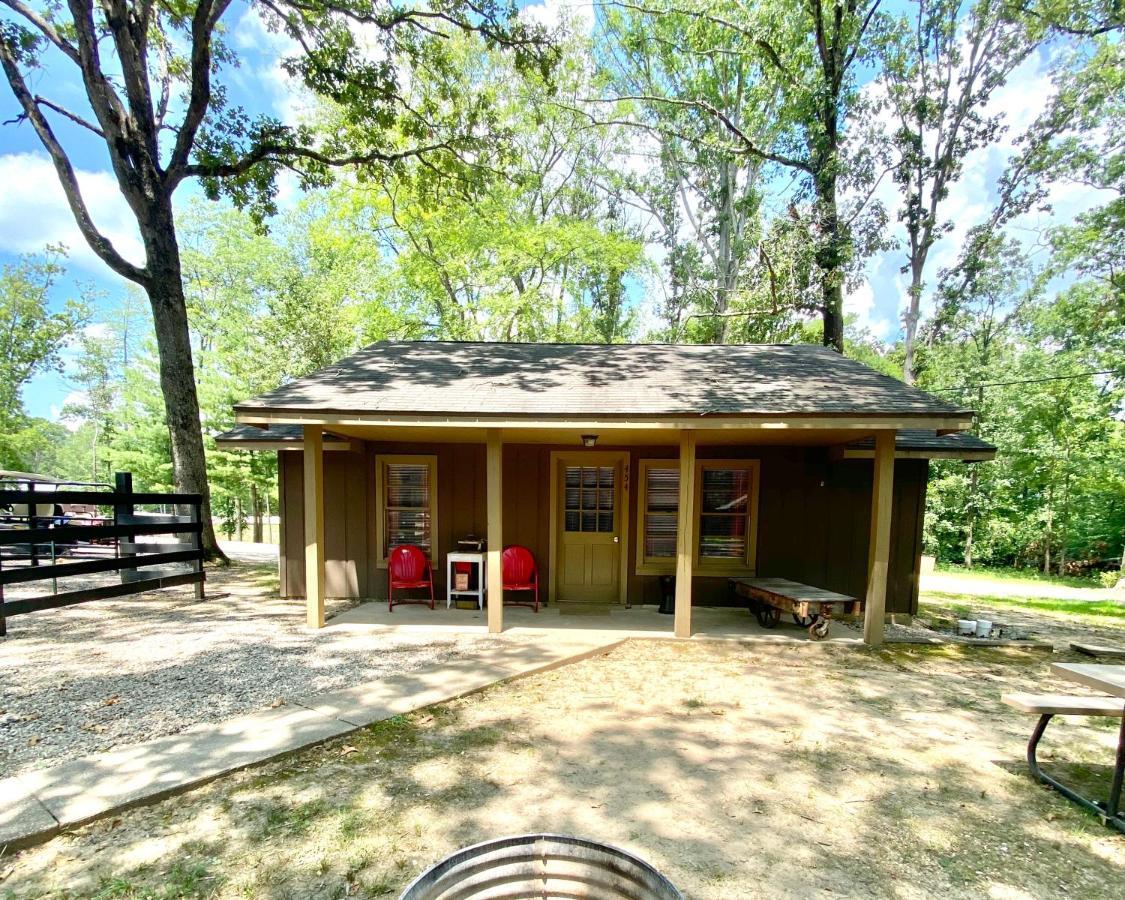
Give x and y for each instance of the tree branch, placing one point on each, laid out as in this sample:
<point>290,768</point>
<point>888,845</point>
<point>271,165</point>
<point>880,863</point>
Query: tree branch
<point>46,28</point>
<point>75,118</point>
<point>747,144</point>
<point>207,14</point>
<point>98,242</point>
<point>278,152</point>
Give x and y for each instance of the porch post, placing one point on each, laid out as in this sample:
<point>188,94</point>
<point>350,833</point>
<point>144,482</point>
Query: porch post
<point>879,546</point>
<point>685,534</point>
<point>494,469</point>
<point>314,525</point>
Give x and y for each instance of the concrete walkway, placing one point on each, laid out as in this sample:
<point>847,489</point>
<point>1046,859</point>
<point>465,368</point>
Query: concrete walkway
<point>36,805</point>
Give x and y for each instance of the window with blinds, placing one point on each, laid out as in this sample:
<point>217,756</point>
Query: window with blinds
<point>661,488</point>
<point>726,509</point>
<point>407,503</point>
<point>724,506</point>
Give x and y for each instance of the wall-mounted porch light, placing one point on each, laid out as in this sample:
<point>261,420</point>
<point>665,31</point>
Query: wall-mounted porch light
<point>588,440</point>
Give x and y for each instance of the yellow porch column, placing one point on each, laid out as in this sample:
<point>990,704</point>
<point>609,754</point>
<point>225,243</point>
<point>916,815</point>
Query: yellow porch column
<point>494,470</point>
<point>314,525</point>
<point>685,534</point>
<point>879,547</point>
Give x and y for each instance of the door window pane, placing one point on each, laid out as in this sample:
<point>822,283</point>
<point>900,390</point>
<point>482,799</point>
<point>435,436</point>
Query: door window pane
<point>589,498</point>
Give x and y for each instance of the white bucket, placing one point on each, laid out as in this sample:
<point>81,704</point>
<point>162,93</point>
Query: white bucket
<point>984,628</point>
<point>966,627</point>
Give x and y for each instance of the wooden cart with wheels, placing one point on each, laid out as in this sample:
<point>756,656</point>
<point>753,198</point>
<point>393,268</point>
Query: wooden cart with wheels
<point>811,607</point>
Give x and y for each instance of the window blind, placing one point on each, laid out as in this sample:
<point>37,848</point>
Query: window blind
<point>407,499</point>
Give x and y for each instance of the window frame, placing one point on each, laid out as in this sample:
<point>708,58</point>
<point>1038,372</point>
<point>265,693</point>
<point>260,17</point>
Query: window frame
<point>746,566</point>
<point>381,462</point>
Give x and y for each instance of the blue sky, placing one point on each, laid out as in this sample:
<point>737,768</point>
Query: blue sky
<point>33,212</point>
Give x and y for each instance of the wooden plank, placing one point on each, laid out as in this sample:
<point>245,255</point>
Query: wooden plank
<point>879,547</point>
<point>70,598</point>
<point>494,465</point>
<point>685,536</point>
<point>91,567</point>
<point>314,526</point>
<point>75,534</point>
<point>1065,705</point>
<point>1099,650</point>
<point>1099,676</point>
<point>794,590</point>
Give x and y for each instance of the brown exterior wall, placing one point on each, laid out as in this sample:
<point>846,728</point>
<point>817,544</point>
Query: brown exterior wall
<point>813,517</point>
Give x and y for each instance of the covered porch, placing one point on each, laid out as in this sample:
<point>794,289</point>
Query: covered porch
<point>825,507</point>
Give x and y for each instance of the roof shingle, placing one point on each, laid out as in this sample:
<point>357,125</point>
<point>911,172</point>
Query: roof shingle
<point>558,380</point>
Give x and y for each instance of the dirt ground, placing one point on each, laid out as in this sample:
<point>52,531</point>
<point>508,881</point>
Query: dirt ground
<point>739,770</point>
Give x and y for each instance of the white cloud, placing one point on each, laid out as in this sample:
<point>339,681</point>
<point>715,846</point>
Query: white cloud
<point>860,302</point>
<point>69,421</point>
<point>551,14</point>
<point>34,212</point>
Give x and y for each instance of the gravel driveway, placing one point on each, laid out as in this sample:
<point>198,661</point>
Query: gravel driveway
<point>99,675</point>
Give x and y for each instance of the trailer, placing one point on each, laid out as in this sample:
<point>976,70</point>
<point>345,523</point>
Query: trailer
<point>811,607</point>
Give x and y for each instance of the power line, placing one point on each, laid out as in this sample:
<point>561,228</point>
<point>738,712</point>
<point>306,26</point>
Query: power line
<point>968,387</point>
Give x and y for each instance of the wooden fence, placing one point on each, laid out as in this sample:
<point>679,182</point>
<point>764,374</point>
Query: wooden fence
<point>35,547</point>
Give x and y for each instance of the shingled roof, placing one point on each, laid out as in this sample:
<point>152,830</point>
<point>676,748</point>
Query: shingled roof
<point>598,380</point>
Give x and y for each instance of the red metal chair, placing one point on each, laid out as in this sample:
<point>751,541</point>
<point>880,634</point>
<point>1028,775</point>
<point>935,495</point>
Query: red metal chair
<point>520,573</point>
<point>409,569</point>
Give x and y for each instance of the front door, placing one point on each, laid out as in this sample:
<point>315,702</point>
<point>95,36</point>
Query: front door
<point>589,528</point>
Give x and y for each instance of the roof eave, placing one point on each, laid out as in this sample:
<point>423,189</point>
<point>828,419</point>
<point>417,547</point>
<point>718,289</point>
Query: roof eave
<point>948,422</point>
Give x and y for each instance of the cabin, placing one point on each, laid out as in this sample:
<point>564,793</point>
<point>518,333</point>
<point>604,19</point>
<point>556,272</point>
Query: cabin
<point>614,465</point>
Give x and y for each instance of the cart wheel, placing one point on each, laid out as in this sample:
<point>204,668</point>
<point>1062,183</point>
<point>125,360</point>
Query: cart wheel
<point>768,616</point>
<point>818,631</point>
<point>804,621</point>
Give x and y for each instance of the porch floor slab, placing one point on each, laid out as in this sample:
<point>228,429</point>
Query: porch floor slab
<point>36,805</point>
<point>732,623</point>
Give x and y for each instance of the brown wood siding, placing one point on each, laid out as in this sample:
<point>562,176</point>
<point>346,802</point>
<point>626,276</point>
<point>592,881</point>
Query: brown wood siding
<point>346,524</point>
<point>814,517</point>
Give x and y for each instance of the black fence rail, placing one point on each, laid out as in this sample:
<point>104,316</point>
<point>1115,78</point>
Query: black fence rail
<point>48,533</point>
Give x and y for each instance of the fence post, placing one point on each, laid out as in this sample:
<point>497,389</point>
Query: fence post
<point>32,522</point>
<point>122,486</point>
<point>197,541</point>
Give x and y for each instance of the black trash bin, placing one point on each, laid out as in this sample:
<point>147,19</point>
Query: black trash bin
<point>542,866</point>
<point>668,594</point>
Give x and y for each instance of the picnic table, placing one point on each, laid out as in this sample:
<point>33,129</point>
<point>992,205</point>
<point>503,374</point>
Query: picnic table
<point>1108,679</point>
<point>811,607</point>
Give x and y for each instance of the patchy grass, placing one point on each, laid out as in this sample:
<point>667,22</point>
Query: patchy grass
<point>1017,576</point>
<point>738,770</point>
<point>1098,612</point>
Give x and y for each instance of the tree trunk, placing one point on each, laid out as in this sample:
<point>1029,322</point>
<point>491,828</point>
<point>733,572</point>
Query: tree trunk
<point>165,289</point>
<point>972,517</point>
<point>269,522</point>
<point>910,320</point>
<point>1047,538</point>
<point>830,256</point>
<point>256,512</point>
